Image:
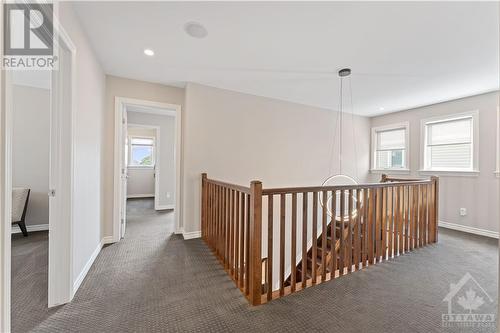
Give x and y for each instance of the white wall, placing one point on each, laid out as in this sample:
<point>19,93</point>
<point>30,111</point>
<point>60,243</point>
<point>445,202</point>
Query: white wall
<point>238,137</point>
<point>121,87</point>
<point>88,135</point>
<point>479,194</point>
<point>166,170</point>
<point>140,181</point>
<point>30,148</point>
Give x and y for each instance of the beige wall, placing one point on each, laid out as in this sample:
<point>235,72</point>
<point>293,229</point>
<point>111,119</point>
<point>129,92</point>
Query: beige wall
<point>479,194</point>
<point>88,136</point>
<point>238,137</point>
<point>30,148</point>
<point>121,87</point>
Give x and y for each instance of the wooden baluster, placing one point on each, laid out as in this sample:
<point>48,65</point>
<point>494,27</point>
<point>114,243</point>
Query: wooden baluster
<point>225,232</point>
<point>384,224</point>
<point>314,237</point>
<point>371,225</point>
<point>304,239</point>
<point>270,215</point>
<point>333,236</point>
<point>237,237</point>
<point>231,232</point>
<point>390,214</point>
<point>323,234</point>
<point>217,230</point>
<point>435,204</point>
<point>282,243</point>
<point>248,254</point>
<point>424,213</point>
<point>414,217</point>
<point>378,223</point>
<point>357,231</point>
<point>364,245</point>
<point>342,228</point>
<point>401,220</point>
<point>397,217</point>
<point>349,231</point>
<point>242,241</point>
<point>293,253</point>
<point>255,206</point>
<point>407,218</point>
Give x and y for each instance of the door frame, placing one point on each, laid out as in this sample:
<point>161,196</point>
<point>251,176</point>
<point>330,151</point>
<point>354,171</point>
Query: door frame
<point>156,108</point>
<point>62,240</point>
<point>157,161</point>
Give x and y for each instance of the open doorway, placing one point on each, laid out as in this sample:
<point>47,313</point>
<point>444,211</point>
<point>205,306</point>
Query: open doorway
<point>37,164</point>
<point>147,163</point>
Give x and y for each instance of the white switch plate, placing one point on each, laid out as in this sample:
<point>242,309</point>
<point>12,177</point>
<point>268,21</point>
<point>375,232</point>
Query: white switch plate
<point>463,211</point>
<point>168,194</point>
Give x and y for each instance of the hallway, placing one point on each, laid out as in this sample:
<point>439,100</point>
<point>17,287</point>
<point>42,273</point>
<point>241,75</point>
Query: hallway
<point>154,281</point>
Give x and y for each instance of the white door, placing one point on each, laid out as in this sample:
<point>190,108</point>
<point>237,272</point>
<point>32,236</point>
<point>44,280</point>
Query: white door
<point>124,175</point>
<point>60,280</point>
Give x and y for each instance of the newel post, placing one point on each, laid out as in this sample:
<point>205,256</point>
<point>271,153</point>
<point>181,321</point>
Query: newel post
<point>435,183</point>
<point>255,242</point>
<point>204,197</point>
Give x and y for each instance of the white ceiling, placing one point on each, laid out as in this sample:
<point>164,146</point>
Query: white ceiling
<point>402,54</point>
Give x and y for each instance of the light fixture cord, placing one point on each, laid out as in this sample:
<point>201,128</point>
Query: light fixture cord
<point>341,126</point>
<point>353,133</point>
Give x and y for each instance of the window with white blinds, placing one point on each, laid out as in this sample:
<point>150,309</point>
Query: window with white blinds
<point>390,147</point>
<point>449,144</point>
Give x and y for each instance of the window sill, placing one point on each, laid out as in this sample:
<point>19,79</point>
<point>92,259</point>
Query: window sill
<point>449,173</point>
<point>141,167</point>
<point>391,171</point>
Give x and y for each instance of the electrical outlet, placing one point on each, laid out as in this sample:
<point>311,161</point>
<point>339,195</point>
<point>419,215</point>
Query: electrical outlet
<point>168,195</point>
<point>463,211</point>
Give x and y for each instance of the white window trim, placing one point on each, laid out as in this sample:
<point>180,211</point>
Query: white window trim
<point>475,145</point>
<point>129,166</point>
<point>497,169</point>
<point>406,169</point>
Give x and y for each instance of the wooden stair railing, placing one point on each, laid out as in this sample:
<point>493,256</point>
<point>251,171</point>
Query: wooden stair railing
<point>372,223</point>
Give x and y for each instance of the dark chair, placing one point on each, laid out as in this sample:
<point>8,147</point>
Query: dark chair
<point>20,198</point>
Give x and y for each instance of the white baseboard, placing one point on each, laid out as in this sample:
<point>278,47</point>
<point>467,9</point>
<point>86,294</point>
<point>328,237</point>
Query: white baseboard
<point>88,265</point>
<point>30,228</point>
<point>107,240</point>
<point>135,196</point>
<point>191,235</point>
<point>471,230</point>
<point>164,207</point>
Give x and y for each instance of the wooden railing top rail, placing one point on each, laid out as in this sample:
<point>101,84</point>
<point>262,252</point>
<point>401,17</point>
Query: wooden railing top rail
<point>286,190</point>
<point>235,187</point>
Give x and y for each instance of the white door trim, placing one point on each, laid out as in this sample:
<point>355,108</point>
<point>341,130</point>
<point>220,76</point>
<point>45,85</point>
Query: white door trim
<point>157,108</point>
<point>157,163</point>
<point>60,279</point>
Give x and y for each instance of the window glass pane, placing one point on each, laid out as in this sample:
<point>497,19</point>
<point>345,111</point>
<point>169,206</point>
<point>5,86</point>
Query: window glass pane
<point>455,131</point>
<point>451,156</point>
<point>392,139</point>
<point>391,159</point>
<point>142,141</point>
<point>142,155</point>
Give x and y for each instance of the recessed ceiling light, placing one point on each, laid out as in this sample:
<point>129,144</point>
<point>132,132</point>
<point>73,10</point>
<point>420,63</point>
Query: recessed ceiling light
<point>149,52</point>
<point>196,30</point>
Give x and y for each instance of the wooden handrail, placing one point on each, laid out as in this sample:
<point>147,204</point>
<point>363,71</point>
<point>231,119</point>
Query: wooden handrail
<point>289,190</point>
<point>369,224</point>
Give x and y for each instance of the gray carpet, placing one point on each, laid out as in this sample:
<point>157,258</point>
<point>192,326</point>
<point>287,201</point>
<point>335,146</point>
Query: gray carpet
<point>153,281</point>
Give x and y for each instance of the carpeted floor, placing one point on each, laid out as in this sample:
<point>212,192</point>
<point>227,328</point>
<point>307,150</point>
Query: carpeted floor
<point>154,281</point>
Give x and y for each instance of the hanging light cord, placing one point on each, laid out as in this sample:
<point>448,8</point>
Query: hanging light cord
<point>353,133</point>
<point>341,125</point>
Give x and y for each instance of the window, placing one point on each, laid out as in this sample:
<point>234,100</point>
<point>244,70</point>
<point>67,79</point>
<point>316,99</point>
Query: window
<point>141,152</point>
<point>390,147</point>
<point>450,144</point>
